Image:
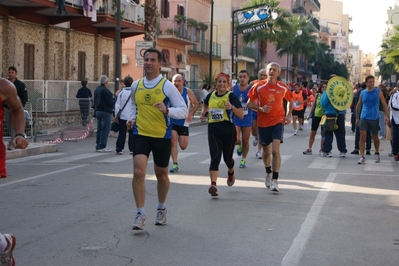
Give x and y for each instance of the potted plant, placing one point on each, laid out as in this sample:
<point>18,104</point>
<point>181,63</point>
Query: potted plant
<point>192,22</point>
<point>202,26</point>
<point>180,18</point>
<point>170,31</point>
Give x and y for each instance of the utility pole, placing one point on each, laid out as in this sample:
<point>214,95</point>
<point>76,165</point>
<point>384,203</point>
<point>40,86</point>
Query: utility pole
<point>211,47</point>
<point>118,45</point>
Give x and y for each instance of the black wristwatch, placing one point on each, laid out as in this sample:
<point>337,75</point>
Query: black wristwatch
<point>21,135</point>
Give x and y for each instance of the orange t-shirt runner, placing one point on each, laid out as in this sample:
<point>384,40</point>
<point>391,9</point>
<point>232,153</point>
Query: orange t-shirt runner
<point>264,93</point>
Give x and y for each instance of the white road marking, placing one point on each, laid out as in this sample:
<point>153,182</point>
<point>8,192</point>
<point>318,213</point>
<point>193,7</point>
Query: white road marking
<point>34,157</point>
<point>180,156</point>
<point>284,158</point>
<point>43,175</point>
<point>294,254</point>
<point>383,166</point>
<point>76,157</point>
<point>324,163</point>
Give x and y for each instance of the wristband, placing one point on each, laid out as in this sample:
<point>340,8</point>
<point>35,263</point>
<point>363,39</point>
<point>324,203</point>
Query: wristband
<point>20,135</point>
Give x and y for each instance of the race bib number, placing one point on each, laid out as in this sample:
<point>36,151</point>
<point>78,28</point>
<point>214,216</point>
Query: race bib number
<point>244,108</point>
<point>216,114</point>
<point>297,104</point>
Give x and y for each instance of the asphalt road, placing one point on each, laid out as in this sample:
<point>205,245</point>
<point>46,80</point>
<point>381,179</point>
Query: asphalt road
<point>75,207</point>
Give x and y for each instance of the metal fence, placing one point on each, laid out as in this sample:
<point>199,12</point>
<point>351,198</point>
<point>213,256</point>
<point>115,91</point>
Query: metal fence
<point>55,89</point>
<point>52,108</point>
<point>29,124</point>
<point>63,119</point>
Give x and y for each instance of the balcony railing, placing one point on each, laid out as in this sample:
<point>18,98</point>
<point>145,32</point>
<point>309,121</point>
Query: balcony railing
<point>129,11</point>
<point>181,32</point>
<point>316,3</point>
<point>367,65</point>
<point>204,48</point>
<point>315,23</point>
<point>247,51</point>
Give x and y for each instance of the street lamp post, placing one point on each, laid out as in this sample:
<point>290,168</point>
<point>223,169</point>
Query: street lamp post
<point>211,46</point>
<point>118,44</point>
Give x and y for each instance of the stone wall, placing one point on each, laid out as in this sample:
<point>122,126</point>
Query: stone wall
<point>56,50</point>
<point>55,120</point>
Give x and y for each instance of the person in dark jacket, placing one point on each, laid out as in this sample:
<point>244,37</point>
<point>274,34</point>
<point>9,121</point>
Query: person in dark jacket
<point>84,95</point>
<point>23,96</point>
<point>103,107</point>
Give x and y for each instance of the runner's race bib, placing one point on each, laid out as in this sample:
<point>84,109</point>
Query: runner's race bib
<point>216,114</point>
<point>297,104</point>
<point>244,108</point>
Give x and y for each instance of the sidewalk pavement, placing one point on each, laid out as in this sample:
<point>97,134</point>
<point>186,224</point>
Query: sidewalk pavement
<point>34,148</point>
<point>69,132</point>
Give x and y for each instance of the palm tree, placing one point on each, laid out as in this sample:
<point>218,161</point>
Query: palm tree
<point>268,34</point>
<point>150,17</point>
<point>321,57</point>
<point>390,49</point>
<point>297,40</point>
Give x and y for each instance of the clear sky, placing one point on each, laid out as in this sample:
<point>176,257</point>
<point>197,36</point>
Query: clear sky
<point>368,22</point>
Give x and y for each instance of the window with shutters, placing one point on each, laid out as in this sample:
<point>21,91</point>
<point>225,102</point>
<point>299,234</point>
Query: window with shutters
<point>29,61</point>
<point>105,65</point>
<point>164,8</point>
<point>180,10</point>
<point>81,65</point>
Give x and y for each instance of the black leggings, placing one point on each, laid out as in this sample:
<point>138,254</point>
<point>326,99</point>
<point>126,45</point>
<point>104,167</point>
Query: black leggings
<point>218,144</point>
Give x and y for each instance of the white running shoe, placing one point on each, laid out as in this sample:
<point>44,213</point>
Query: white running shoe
<point>268,180</point>
<point>161,217</point>
<point>258,155</point>
<point>362,160</point>
<point>274,186</point>
<point>255,141</point>
<point>377,158</point>
<point>139,222</point>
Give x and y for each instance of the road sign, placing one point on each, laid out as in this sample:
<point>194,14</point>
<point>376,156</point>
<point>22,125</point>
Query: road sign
<point>141,47</point>
<point>140,63</point>
<point>314,78</point>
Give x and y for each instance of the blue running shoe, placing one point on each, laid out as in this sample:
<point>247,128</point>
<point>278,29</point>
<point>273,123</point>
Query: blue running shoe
<point>239,150</point>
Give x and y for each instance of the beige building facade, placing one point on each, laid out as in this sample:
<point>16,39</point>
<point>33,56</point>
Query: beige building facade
<point>183,37</point>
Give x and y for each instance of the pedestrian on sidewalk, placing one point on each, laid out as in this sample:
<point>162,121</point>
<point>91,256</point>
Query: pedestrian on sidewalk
<point>122,114</point>
<point>267,98</point>
<point>103,107</point>
<point>339,115</point>
<point>180,127</point>
<point>154,101</point>
<point>367,116</point>
<point>218,108</point>
<point>84,95</point>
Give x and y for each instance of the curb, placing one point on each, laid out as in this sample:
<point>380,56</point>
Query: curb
<point>33,149</point>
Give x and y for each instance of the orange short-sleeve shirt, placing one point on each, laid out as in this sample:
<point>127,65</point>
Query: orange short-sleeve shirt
<point>264,93</point>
